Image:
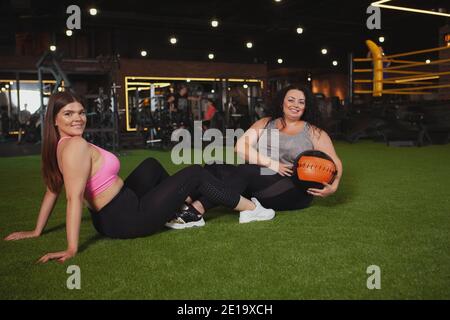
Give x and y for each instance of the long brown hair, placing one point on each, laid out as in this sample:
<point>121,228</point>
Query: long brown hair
<point>52,175</point>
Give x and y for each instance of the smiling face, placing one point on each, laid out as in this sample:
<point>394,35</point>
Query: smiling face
<point>294,104</point>
<point>71,120</point>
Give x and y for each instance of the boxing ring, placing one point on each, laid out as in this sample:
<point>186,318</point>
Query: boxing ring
<point>391,75</point>
<point>405,97</point>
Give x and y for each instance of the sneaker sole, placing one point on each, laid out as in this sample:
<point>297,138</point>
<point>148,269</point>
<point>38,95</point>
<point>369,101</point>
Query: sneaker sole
<point>257,219</point>
<point>192,224</point>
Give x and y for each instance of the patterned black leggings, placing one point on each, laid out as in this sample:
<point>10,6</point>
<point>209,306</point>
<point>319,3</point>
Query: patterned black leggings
<point>273,191</point>
<point>150,197</point>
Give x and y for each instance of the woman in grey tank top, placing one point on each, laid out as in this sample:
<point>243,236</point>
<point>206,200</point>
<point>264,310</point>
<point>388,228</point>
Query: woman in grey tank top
<point>266,175</point>
<point>288,146</point>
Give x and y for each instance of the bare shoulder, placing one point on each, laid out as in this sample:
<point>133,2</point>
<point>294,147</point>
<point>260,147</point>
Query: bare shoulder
<point>261,123</point>
<point>75,145</point>
<point>74,154</point>
<point>317,134</point>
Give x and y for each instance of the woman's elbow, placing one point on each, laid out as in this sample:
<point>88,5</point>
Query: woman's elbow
<point>240,150</point>
<point>238,147</point>
<point>339,165</point>
<point>75,197</point>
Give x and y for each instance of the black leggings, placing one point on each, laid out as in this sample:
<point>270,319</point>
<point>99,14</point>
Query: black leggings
<point>246,179</point>
<point>150,198</point>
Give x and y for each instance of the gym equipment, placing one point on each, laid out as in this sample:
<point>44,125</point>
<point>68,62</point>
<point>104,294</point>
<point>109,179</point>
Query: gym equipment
<point>49,63</point>
<point>409,104</point>
<point>312,168</point>
<point>391,75</point>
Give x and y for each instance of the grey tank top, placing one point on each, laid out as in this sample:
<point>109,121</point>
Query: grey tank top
<point>290,146</point>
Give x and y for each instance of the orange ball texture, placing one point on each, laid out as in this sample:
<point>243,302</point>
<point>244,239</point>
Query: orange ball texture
<point>316,169</point>
<point>313,168</point>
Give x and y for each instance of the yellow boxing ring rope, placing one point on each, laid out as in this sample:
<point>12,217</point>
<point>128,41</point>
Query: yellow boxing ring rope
<point>417,81</point>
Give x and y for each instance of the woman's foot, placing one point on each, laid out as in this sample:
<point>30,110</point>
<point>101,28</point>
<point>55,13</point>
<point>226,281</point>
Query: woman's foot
<point>188,217</point>
<point>258,214</point>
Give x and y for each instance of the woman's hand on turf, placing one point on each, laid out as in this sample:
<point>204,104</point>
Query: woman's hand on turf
<point>327,190</point>
<point>282,168</point>
<point>61,256</point>
<point>22,235</point>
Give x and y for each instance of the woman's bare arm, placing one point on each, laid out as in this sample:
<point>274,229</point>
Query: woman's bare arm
<point>245,149</point>
<point>76,167</point>
<point>323,143</point>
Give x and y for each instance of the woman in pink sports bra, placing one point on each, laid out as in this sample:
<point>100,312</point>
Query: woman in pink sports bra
<point>138,206</point>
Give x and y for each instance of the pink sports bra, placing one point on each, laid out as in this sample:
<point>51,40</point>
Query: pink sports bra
<point>105,176</point>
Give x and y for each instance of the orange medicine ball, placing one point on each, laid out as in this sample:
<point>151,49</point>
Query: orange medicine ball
<point>312,168</point>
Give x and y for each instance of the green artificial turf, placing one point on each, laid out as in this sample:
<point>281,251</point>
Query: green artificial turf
<point>391,210</point>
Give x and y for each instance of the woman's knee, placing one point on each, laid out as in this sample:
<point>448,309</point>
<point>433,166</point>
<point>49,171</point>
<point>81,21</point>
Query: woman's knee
<point>151,161</point>
<point>248,171</point>
<point>151,164</point>
<point>196,167</point>
<point>192,172</point>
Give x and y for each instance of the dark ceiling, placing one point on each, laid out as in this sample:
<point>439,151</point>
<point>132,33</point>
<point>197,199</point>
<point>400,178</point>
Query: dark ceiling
<point>340,26</point>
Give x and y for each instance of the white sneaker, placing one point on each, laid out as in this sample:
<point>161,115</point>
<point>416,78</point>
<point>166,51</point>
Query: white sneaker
<point>258,214</point>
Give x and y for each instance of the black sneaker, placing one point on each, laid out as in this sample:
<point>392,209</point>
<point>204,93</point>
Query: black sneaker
<point>188,217</point>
